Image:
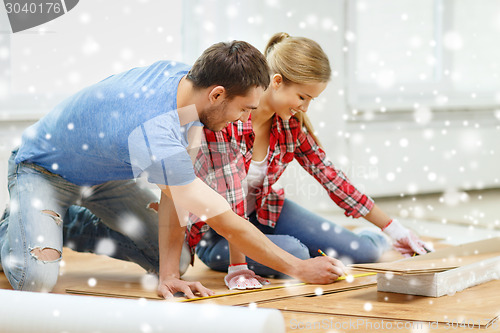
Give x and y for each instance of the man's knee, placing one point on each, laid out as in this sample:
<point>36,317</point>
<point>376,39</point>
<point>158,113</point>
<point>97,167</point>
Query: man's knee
<point>55,216</point>
<point>43,272</point>
<point>46,254</point>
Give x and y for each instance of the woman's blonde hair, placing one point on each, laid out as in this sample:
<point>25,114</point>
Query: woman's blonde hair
<point>298,60</point>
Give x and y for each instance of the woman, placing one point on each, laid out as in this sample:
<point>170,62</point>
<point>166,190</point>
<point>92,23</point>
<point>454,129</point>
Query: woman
<point>278,132</point>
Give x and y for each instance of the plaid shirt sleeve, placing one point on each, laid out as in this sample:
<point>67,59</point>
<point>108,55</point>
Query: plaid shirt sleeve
<point>313,159</point>
<point>221,166</point>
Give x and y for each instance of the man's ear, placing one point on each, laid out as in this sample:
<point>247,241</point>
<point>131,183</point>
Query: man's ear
<point>277,81</point>
<point>217,94</point>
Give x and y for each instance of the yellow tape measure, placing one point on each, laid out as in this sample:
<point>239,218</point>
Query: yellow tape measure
<point>269,288</point>
<point>354,276</point>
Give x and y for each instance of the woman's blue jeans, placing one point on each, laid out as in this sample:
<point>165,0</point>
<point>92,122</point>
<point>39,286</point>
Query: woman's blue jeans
<point>40,215</point>
<point>301,233</point>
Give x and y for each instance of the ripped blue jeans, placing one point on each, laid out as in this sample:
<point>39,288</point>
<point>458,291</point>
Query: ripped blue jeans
<point>113,219</point>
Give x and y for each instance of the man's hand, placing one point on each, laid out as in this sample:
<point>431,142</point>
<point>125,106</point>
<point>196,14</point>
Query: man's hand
<point>169,286</point>
<point>405,241</point>
<point>320,270</point>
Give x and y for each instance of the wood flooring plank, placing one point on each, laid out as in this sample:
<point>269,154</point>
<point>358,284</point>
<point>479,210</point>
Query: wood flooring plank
<point>304,322</point>
<point>4,283</point>
<point>290,291</point>
<point>277,290</point>
<point>480,304</point>
<point>426,266</point>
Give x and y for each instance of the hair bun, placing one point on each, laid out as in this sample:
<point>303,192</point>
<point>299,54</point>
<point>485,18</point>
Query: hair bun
<point>275,39</point>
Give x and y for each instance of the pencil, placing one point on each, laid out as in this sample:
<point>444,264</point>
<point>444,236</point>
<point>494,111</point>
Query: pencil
<point>322,253</point>
<point>426,250</point>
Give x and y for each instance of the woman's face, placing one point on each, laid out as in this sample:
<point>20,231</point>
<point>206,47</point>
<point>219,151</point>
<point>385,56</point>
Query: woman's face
<point>290,98</point>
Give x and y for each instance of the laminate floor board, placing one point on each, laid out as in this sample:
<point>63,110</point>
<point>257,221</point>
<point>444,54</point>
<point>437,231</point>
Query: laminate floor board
<point>304,322</point>
<point>479,304</point>
<point>288,291</point>
<point>426,266</point>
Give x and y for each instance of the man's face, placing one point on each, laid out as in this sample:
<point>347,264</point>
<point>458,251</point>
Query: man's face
<point>219,115</point>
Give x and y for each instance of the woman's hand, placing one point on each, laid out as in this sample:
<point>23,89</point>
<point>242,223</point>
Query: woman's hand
<point>405,241</point>
<point>240,277</point>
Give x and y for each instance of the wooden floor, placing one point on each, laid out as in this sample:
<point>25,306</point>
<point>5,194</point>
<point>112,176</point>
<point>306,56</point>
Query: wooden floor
<point>339,307</point>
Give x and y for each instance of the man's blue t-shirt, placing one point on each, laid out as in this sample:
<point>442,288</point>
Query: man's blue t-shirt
<point>116,129</point>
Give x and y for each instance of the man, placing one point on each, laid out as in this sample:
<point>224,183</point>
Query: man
<point>90,149</point>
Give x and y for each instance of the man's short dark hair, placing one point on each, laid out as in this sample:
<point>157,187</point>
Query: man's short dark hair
<point>237,66</point>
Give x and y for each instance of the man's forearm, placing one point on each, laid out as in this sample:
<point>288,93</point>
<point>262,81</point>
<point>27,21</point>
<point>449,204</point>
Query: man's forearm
<point>199,199</point>
<point>171,237</point>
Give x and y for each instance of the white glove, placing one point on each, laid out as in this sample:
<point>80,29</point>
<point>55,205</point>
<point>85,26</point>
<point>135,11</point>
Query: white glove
<point>240,277</point>
<point>405,241</point>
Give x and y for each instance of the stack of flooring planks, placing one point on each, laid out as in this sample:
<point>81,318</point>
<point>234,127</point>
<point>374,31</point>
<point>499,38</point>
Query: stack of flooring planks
<point>445,271</point>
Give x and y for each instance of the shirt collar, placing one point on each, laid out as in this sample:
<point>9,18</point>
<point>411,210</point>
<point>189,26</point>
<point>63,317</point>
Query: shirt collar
<point>245,128</point>
<point>278,124</point>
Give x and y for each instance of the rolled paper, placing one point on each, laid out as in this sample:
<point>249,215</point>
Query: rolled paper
<point>22,311</point>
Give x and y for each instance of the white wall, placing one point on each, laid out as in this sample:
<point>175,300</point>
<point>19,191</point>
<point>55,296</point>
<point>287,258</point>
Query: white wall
<point>41,66</point>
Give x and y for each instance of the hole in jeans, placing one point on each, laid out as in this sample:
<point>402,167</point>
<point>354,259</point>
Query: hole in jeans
<point>57,218</point>
<point>153,206</point>
<point>45,254</point>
